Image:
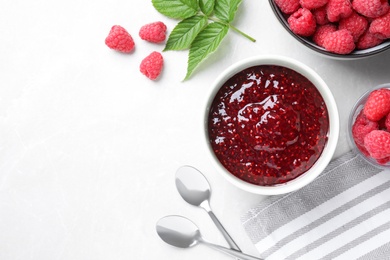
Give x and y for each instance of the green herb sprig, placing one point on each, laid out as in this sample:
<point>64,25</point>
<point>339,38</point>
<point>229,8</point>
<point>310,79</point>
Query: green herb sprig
<point>203,25</point>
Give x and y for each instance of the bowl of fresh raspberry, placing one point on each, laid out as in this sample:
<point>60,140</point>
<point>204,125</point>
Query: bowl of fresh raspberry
<point>369,126</point>
<point>341,29</point>
<point>271,124</point>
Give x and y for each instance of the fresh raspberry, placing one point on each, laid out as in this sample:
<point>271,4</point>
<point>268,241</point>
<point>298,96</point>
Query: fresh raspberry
<point>363,149</point>
<point>322,32</point>
<point>380,27</point>
<point>153,32</point>
<point>312,4</point>
<point>337,9</point>
<point>288,6</point>
<point>361,127</point>
<point>387,122</point>
<point>368,40</point>
<point>340,42</point>
<point>320,15</point>
<point>383,160</point>
<point>119,39</point>
<point>302,22</point>
<point>355,23</point>
<point>371,8</point>
<point>152,65</point>
<point>377,104</point>
<point>377,143</point>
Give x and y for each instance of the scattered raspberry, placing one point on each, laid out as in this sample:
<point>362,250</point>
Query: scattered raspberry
<point>377,105</point>
<point>371,8</point>
<point>380,27</point>
<point>387,122</point>
<point>368,40</point>
<point>153,32</point>
<point>152,65</point>
<point>355,24</point>
<point>119,39</point>
<point>312,4</point>
<point>377,144</point>
<point>340,42</point>
<point>322,32</point>
<point>302,22</point>
<point>337,9</point>
<point>320,15</point>
<point>362,127</point>
<point>288,6</point>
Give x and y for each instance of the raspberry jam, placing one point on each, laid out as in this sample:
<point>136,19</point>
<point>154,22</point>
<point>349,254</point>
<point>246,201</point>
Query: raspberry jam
<point>268,125</point>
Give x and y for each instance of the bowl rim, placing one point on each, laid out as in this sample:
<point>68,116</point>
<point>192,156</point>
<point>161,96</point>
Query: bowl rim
<point>357,107</point>
<point>333,132</point>
<point>356,54</point>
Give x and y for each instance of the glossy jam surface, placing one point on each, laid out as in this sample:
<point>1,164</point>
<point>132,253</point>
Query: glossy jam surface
<point>268,125</point>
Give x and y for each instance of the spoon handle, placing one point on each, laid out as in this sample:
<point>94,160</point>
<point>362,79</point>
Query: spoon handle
<point>231,252</point>
<point>225,234</point>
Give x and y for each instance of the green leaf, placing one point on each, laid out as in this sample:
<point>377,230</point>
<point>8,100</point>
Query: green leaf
<point>204,44</point>
<point>207,6</point>
<point>226,9</point>
<point>177,9</point>
<point>185,32</point>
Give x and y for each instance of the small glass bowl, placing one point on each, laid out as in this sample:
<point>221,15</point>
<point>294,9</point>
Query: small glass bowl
<point>359,105</point>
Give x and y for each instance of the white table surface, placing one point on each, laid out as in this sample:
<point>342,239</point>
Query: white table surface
<point>89,146</point>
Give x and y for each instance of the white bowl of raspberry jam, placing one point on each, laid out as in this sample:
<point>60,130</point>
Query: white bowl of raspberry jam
<point>271,124</point>
<point>359,126</point>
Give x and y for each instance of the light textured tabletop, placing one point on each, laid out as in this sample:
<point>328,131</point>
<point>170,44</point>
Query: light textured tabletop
<point>89,146</point>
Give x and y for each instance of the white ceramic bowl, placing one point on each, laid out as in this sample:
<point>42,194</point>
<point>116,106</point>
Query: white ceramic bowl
<point>333,132</point>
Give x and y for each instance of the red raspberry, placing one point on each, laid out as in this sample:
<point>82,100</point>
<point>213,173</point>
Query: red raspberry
<point>312,4</point>
<point>152,65</point>
<point>380,27</point>
<point>377,104</point>
<point>320,15</point>
<point>340,42</point>
<point>302,22</point>
<point>119,39</point>
<point>383,160</point>
<point>387,122</point>
<point>337,9</point>
<point>361,127</point>
<point>356,24</point>
<point>371,8</point>
<point>377,144</point>
<point>153,32</point>
<point>288,6</point>
<point>322,32</point>
<point>368,40</point>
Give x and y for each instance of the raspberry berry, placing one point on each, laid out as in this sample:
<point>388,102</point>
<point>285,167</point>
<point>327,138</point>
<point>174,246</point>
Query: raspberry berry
<point>152,65</point>
<point>371,8</point>
<point>337,9</point>
<point>377,144</point>
<point>288,6</point>
<point>377,105</point>
<point>153,32</point>
<point>380,27</point>
<point>302,22</point>
<point>312,4</point>
<point>368,40</point>
<point>320,15</point>
<point>322,32</point>
<point>361,127</point>
<point>119,39</point>
<point>340,42</point>
<point>355,23</point>
<point>387,122</point>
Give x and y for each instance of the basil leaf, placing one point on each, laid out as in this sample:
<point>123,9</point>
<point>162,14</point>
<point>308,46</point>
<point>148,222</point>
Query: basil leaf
<point>207,6</point>
<point>185,32</point>
<point>226,9</point>
<point>177,9</point>
<point>204,44</point>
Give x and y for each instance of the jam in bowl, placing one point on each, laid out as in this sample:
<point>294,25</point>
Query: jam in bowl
<point>271,124</point>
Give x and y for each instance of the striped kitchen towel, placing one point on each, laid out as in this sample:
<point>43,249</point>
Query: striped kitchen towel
<point>343,214</point>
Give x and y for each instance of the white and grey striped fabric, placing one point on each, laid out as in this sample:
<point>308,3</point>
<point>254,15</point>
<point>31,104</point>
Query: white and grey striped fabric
<point>343,214</point>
